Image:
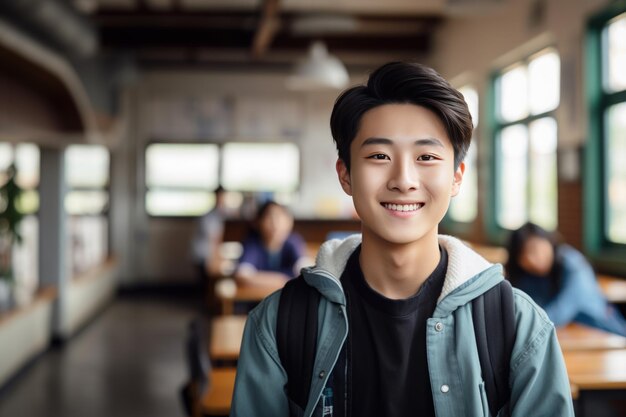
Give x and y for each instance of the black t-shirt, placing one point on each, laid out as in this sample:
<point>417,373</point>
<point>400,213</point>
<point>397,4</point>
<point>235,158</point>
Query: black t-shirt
<point>388,368</point>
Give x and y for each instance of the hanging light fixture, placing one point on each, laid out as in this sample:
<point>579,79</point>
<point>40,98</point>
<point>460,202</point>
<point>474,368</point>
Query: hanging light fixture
<point>318,71</point>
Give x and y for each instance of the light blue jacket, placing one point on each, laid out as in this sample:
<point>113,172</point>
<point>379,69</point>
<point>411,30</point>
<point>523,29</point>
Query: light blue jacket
<point>579,299</point>
<point>538,379</point>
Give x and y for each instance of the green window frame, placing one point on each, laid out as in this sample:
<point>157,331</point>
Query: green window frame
<point>602,242</point>
<point>538,157</point>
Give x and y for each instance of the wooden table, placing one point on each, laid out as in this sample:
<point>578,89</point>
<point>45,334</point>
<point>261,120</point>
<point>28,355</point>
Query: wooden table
<point>613,288</point>
<point>243,293</point>
<point>577,336</point>
<point>596,369</point>
<point>226,334</point>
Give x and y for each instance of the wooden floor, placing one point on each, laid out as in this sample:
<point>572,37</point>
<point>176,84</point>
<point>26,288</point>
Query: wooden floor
<point>127,363</point>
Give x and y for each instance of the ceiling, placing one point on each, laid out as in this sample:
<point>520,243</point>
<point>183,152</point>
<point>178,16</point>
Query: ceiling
<point>271,33</point>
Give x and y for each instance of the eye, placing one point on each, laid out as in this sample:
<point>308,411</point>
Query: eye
<point>426,158</point>
<point>378,156</point>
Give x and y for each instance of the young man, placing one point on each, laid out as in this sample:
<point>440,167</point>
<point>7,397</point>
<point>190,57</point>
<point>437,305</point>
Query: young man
<point>395,332</point>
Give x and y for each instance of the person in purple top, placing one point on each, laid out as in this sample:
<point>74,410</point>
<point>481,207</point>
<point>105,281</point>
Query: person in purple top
<point>272,253</point>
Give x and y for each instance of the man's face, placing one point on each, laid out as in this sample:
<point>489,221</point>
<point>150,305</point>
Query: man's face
<point>402,173</point>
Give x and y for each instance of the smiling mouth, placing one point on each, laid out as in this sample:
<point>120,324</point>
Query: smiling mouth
<point>403,207</point>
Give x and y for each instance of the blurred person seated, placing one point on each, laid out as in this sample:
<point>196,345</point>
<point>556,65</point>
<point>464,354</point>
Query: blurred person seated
<point>559,279</point>
<point>208,236</point>
<point>272,253</point>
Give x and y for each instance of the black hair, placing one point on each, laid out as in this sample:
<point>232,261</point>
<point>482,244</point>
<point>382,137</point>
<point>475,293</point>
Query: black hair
<point>402,83</point>
<point>262,210</point>
<point>518,239</point>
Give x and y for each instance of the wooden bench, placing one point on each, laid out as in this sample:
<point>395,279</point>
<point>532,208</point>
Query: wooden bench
<point>226,335</point>
<point>217,399</point>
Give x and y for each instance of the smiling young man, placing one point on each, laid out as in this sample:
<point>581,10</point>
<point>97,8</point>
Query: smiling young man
<point>395,332</point>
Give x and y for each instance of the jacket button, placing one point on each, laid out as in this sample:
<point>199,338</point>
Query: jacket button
<point>445,388</point>
<point>322,374</point>
<point>439,326</point>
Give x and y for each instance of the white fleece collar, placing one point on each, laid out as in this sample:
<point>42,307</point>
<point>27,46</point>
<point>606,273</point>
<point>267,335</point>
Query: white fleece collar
<point>463,262</point>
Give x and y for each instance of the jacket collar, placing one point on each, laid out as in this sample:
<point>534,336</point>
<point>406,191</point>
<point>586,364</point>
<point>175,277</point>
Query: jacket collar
<point>463,265</point>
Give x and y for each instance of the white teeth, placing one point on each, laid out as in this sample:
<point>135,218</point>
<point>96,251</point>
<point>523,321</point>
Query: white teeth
<point>403,207</point>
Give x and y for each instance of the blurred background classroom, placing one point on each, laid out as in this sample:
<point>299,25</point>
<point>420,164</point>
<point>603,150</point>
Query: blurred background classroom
<point>120,121</point>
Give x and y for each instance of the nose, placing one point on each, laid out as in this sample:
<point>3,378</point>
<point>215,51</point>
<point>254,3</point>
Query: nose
<point>404,176</point>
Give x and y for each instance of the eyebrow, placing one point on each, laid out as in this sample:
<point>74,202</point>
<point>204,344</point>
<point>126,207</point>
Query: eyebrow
<point>418,142</point>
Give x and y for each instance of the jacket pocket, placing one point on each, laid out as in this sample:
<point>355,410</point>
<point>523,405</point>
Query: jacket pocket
<point>483,399</point>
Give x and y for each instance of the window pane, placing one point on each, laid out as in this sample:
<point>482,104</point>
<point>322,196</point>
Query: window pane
<point>543,173</point>
<point>87,243</point>
<point>471,98</point>
<point>464,206</point>
<point>616,173</point>
<point>182,165</point>
<point>26,159</point>
<point>86,202</point>
<point>26,261</point>
<point>544,82</point>
<point>28,202</point>
<point>87,166</point>
<point>514,94</point>
<point>616,54</point>
<point>513,177</point>
<point>260,166</point>
<point>179,203</point>
<point>6,157</point>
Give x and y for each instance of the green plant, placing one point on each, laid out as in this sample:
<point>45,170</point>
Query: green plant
<point>10,218</point>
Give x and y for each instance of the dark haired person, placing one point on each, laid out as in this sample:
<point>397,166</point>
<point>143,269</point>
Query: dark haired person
<point>396,301</point>
<point>272,253</point>
<point>560,280</point>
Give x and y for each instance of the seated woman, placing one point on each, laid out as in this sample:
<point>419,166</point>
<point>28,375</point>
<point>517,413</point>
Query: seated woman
<point>272,254</point>
<point>560,280</point>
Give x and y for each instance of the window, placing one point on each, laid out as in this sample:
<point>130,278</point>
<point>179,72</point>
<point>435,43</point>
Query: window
<point>87,171</point>
<point>261,167</point>
<point>527,94</point>
<point>605,173</point>
<point>464,207</point>
<point>181,178</point>
<point>25,258</point>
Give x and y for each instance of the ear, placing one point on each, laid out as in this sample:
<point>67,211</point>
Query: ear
<point>458,179</point>
<point>344,176</point>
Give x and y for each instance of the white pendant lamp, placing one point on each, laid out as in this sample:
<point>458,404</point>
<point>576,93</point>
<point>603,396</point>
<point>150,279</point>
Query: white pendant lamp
<point>318,71</point>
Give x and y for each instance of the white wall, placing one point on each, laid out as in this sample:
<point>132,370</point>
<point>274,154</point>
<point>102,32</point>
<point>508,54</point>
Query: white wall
<point>157,250</point>
<point>23,336</point>
<point>86,296</point>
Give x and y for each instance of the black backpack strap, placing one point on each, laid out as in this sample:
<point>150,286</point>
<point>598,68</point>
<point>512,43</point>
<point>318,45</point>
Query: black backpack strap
<point>296,337</point>
<point>493,314</point>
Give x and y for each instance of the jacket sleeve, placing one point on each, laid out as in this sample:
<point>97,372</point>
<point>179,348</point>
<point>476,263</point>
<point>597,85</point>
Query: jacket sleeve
<point>539,382</point>
<point>578,284</point>
<point>259,386</point>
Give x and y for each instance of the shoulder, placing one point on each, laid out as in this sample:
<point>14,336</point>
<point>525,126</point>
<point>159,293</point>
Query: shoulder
<point>534,328</point>
<point>571,256</point>
<point>261,321</point>
<point>295,239</point>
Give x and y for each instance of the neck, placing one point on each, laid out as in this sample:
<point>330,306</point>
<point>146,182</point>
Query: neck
<point>397,271</point>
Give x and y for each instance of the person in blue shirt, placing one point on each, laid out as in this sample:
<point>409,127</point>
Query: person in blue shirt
<point>559,279</point>
<point>272,252</point>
